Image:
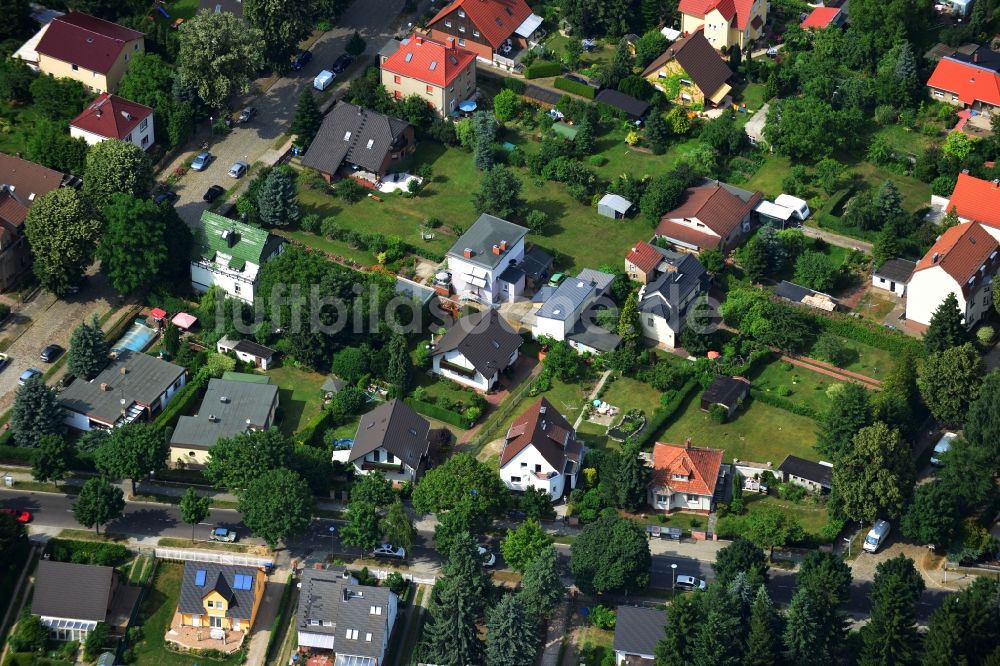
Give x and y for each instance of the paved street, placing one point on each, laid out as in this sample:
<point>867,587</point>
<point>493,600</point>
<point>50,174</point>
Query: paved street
<point>374,19</point>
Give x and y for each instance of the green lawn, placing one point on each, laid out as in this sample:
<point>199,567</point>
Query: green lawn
<point>753,96</point>
<point>299,396</point>
<point>627,393</point>
<point>812,516</point>
<point>769,176</point>
<point>594,645</point>
<point>154,617</point>
<point>602,55</point>
<point>906,140</point>
<point>622,158</point>
<point>334,247</point>
<point>807,388</point>
<point>916,194</point>
<point>446,392</point>
<point>871,361</point>
<point>759,433</point>
<point>184,9</point>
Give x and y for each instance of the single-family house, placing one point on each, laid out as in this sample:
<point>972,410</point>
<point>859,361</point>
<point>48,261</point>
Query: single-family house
<point>796,293</point>
<point>968,81</point>
<point>823,17</point>
<point>87,49</point>
<point>354,142</point>
<point>248,351</point>
<point>664,302</point>
<point>71,599</point>
<point>727,392</point>
<point>21,182</point>
<point>350,623</point>
<point>726,23</point>
<point>485,261</point>
<point>229,254</point>
<point>685,478</point>
<point>439,72</point>
<point>637,632</point>
<point>691,73</point>
<point>632,107</point>
<point>540,450</point>
<point>392,439</point>
<point>220,596</point>
<point>495,30</point>
<point>713,215</point>
<point>476,349</point>
<point>974,200</point>
<point>963,261</point>
<point>614,206</point>
<point>816,477</point>
<point>645,261</point>
<point>569,313</point>
<point>114,117</point>
<point>229,408</point>
<point>893,276</point>
<point>133,387</point>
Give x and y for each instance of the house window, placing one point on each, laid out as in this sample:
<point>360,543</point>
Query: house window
<point>515,479</point>
<point>389,457</point>
<point>368,636</point>
<point>375,610</point>
<point>649,321</point>
<point>662,499</point>
<point>447,24</point>
<point>76,68</point>
<point>396,79</point>
<point>461,42</point>
<point>191,454</point>
<point>236,288</point>
<point>524,465</point>
<point>210,604</point>
<point>692,499</point>
<point>128,139</point>
<point>685,82</point>
<point>376,454</point>
<point>475,33</point>
<point>430,90</point>
<point>461,14</point>
<point>397,95</point>
<point>215,621</point>
<point>351,634</point>
<point>461,28</point>
<point>685,97</point>
<point>538,469</point>
<point>680,477</point>
<point>145,140</point>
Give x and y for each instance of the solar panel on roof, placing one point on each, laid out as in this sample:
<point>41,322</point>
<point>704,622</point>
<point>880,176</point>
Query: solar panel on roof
<point>242,582</point>
<point>199,578</point>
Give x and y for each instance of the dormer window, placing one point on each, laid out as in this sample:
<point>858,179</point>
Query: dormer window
<point>347,136</point>
<point>680,477</point>
<point>461,13</point>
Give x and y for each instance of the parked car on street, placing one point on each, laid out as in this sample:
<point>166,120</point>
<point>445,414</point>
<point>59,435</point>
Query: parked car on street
<point>4,360</point>
<point>168,195</point>
<point>222,534</point>
<point>301,60</point>
<point>238,169</point>
<point>388,550</point>
<point>247,114</point>
<point>690,583</point>
<point>201,160</point>
<point>213,193</point>
<point>30,373</point>
<point>20,515</point>
<point>942,447</point>
<point>51,353</point>
<point>342,63</point>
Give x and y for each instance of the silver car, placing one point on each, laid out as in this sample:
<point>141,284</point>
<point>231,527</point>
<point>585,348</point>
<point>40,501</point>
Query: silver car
<point>388,550</point>
<point>690,583</point>
<point>238,169</point>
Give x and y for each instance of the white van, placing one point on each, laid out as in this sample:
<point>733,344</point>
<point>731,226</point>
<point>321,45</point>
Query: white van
<point>799,206</point>
<point>323,80</point>
<point>877,535</point>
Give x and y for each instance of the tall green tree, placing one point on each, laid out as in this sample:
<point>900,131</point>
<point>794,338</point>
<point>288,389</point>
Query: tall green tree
<point>932,516</point>
<point>740,556</point>
<point>803,635</point>
<point>826,576</point>
<point>541,585</point>
<point>510,633</point>
<point>982,422</point>
<point>523,545</point>
<point>849,411</point>
<point>611,555</point>
<point>283,23</point>
<point>52,461</point>
<point>15,80</point>
<point>869,491</point>
<point>684,620</point>
<point>966,626</point>
<point>484,129</point>
<point>771,527</point>
<point>234,462</point>
<point>946,329</point>
<point>885,247</point>
<point>17,21</point>
<point>949,382</point>
<point>397,526</point>
<point>499,193</point>
<point>763,641</point>
<point>63,232</point>
<point>362,529</point>
<point>398,365</point>
<point>57,99</point>
<point>308,118</point>
<point>356,44</point>
<point>373,488</point>
<point>194,509</point>
<point>719,637</point>
<point>628,322</point>
<point>460,479</point>
<point>36,413</point>
<point>278,201</point>
<point>649,47</point>
<point>219,56</point>
<point>116,167</point>
<point>88,349</point>
<point>50,145</point>
<point>98,503</point>
<point>620,67</point>
<point>891,638</point>
<point>450,636</point>
<point>754,260</point>
<point>276,506</point>
<point>133,247</point>
<point>132,451</point>
<point>631,479</point>
<point>899,398</point>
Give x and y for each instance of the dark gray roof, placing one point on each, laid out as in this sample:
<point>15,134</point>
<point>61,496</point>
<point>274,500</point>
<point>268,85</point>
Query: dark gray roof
<point>484,233</point>
<point>573,291</point>
<point>897,270</point>
<point>485,339</point>
<point>536,263</point>
<point>329,604</point>
<point>703,63</point>
<point>665,294</point>
<point>794,292</point>
<point>222,579</point>
<point>636,108</point>
<point>72,591</point>
<point>145,378</point>
<point>543,95</point>
<point>254,349</point>
<point>726,390</point>
<point>600,280</point>
<point>389,48</point>
<point>592,335</point>
<point>345,136</point>
<point>638,630</point>
<point>224,412</point>
<point>511,275</point>
<point>395,427</point>
<point>807,469</point>
<point>333,385</point>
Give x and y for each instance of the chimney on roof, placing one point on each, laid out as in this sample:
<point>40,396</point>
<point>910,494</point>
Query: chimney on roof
<point>975,56</point>
<point>503,246</point>
<point>224,399</point>
<point>467,253</point>
<point>496,249</point>
<point>419,40</point>
<point>687,443</point>
<point>996,182</point>
<point>451,42</point>
<point>98,112</point>
<point>104,386</point>
<point>213,418</point>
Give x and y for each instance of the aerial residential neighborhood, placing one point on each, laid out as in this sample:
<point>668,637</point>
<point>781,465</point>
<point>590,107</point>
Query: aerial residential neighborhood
<point>499,333</point>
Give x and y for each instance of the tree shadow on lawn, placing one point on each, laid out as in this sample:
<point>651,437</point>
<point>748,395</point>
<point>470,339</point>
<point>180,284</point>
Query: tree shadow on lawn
<point>291,411</point>
<point>428,152</point>
<point>555,210</point>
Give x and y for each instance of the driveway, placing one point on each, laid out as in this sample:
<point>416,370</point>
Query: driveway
<point>374,19</point>
<point>51,322</point>
<point>833,239</point>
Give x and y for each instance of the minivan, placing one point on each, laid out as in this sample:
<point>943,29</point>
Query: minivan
<point>877,535</point>
<point>323,80</point>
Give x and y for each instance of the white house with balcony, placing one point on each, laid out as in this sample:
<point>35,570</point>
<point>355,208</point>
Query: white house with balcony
<point>540,450</point>
<point>230,255</point>
<point>485,262</point>
<point>391,439</point>
<point>475,350</point>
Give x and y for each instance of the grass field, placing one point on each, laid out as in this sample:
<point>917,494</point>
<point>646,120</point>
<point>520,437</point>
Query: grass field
<point>17,123</point>
<point>811,516</point>
<point>807,388</point>
<point>594,645</point>
<point>871,361</point>
<point>759,432</point>
<point>299,396</point>
<point>874,306</point>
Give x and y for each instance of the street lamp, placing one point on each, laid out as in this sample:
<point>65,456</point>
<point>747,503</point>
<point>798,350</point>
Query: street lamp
<point>673,571</point>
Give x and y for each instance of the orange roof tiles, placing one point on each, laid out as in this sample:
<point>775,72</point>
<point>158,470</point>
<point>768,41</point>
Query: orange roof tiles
<point>644,256</point>
<point>960,251</point>
<point>821,17</point>
<point>496,19</point>
<point>700,465</point>
<point>976,199</point>
<point>428,61</point>
<point>714,206</point>
<point>967,80</point>
<point>701,8</point>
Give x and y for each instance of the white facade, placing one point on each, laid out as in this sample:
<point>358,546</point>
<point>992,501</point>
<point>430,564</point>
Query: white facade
<point>85,423</point>
<point>68,629</point>
<point>621,655</point>
<point>529,469</point>
<point>657,328</point>
<point>666,500</point>
<point>380,456</point>
<point>929,287</point>
<point>472,379</point>
<point>237,284</point>
<point>342,645</point>
<point>143,135</point>
<point>475,282</point>
<point>898,288</point>
<point>224,346</point>
<point>553,328</point>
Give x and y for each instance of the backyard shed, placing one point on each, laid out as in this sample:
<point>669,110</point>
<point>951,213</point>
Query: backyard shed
<point>613,206</point>
<point>632,107</point>
<point>729,392</point>
<point>184,321</point>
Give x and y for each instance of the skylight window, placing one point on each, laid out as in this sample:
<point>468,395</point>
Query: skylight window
<point>199,578</point>
<point>409,57</point>
<point>434,65</point>
<point>371,142</point>
<point>347,136</point>
<point>453,59</point>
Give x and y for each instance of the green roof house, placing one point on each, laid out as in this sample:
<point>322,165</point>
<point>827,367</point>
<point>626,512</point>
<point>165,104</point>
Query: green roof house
<point>229,254</point>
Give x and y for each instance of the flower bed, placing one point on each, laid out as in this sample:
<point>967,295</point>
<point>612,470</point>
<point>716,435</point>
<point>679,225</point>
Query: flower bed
<point>632,423</point>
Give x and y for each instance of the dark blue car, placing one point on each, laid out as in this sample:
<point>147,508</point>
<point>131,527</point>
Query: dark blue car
<point>301,60</point>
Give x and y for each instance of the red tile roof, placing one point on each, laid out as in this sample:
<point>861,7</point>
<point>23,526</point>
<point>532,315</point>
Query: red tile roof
<point>12,209</point>
<point>967,80</point>
<point>821,17</point>
<point>976,199</point>
<point>428,61</point>
<point>700,8</point>
<point>644,256</point>
<point>111,116</point>
<point>496,20</point>
<point>700,465</point>
<point>714,206</point>
<point>83,40</point>
<point>545,429</point>
<point>960,251</point>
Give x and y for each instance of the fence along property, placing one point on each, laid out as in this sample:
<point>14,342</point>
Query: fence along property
<point>194,555</point>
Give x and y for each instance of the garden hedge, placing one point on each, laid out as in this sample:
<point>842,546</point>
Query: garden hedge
<point>439,413</point>
<point>316,426</point>
<point>87,552</point>
<point>542,68</point>
<point>279,619</point>
<point>581,89</point>
<point>517,85</point>
<point>666,412</point>
<point>872,335</point>
<point>180,402</point>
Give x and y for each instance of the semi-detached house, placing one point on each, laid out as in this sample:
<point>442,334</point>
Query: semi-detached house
<point>540,450</point>
<point>495,30</point>
<point>440,73</point>
<point>229,254</point>
<point>726,23</point>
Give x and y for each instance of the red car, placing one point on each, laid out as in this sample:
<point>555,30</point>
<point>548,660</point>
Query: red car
<point>18,515</point>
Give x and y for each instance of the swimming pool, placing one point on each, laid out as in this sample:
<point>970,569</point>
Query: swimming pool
<point>136,338</point>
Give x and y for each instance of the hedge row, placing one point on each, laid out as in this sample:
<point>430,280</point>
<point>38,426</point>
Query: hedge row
<point>517,85</point>
<point>581,89</point>
<point>666,412</point>
<point>872,335</point>
<point>279,619</point>
<point>542,68</point>
<point>439,413</point>
<point>315,427</point>
<point>180,402</point>
<point>759,357</point>
<point>17,455</point>
<point>87,552</point>
<point>775,400</point>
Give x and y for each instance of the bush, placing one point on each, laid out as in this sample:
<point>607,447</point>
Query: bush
<point>442,414</point>
<point>181,401</point>
<point>96,641</point>
<point>597,160</point>
<point>575,87</point>
<point>985,334</point>
<point>791,492</point>
<point>665,412</point>
<point>541,69</point>
<point>396,582</point>
<point>351,190</point>
<point>517,85</point>
<point>87,552</point>
<point>718,413</point>
<point>781,403</point>
<point>603,617</point>
<point>783,391</point>
<point>29,636</point>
